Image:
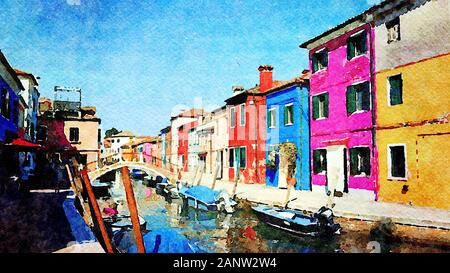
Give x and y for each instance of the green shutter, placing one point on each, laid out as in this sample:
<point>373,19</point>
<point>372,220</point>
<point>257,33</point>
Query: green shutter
<point>325,110</point>
<point>316,161</point>
<point>285,115</point>
<point>314,63</point>
<point>324,167</point>
<point>351,99</point>
<point>269,119</point>
<point>325,57</point>
<point>291,111</point>
<point>315,106</point>
<point>395,83</point>
<point>366,96</point>
<point>366,160</point>
<point>350,49</point>
<point>354,161</point>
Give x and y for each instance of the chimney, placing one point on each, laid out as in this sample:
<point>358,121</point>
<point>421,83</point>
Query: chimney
<point>265,77</point>
<point>237,89</point>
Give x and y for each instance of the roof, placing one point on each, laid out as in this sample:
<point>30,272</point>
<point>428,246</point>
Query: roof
<point>144,139</point>
<point>124,134</point>
<point>11,71</point>
<point>26,74</point>
<point>253,91</point>
<point>191,113</point>
<point>362,17</point>
<point>302,79</point>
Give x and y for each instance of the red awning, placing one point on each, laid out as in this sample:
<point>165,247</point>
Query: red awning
<point>18,142</point>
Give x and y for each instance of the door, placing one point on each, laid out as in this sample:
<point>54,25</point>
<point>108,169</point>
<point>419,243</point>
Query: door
<point>221,165</point>
<point>336,169</point>
<point>282,173</point>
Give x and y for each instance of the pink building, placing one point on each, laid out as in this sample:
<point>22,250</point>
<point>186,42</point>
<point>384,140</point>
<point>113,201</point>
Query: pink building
<point>343,154</point>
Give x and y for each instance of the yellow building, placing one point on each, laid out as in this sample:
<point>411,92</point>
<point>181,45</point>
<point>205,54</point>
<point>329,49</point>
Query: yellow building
<point>413,105</point>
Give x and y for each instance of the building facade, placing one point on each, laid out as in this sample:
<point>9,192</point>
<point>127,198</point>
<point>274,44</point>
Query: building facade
<point>342,103</point>
<point>247,130</point>
<point>413,87</point>
<point>288,122</point>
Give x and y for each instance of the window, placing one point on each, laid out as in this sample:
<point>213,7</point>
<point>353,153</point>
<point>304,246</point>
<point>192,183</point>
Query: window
<point>395,90</point>
<point>320,60</point>
<point>232,117</point>
<point>393,30</point>
<point>358,98</point>
<point>242,115</point>
<point>320,106</point>
<point>5,103</point>
<point>42,133</point>
<point>74,134</point>
<point>356,45</point>
<point>319,161</point>
<point>271,119</point>
<point>397,161</point>
<point>231,158</point>
<point>289,114</point>
<point>242,158</point>
<point>360,161</point>
<point>99,136</point>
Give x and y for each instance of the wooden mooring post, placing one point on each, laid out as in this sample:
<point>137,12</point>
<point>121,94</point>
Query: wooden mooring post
<point>97,212</point>
<point>132,206</point>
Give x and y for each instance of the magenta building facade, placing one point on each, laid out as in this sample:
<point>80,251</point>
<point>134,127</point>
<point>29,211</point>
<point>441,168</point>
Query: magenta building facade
<point>342,103</point>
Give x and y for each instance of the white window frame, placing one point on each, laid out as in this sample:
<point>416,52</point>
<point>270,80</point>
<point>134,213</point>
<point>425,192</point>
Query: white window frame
<point>390,162</point>
<point>242,105</point>
<point>367,51</point>
<point>273,116</point>
<point>287,105</point>
<point>328,55</point>
<point>370,160</point>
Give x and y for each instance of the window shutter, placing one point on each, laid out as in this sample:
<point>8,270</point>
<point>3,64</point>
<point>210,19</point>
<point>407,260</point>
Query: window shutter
<point>364,42</point>
<point>351,99</point>
<point>269,119</point>
<point>350,49</point>
<point>396,90</point>
<point>325,110</point>
<point>291,112</point>
<point>314,63</point>
<point>285,115</point>
<point>354,161</point>
<point>366,162</point>
<point>366,96</point>
<point>316,161</point>
<point>315,102</point>
<point>325,57</point>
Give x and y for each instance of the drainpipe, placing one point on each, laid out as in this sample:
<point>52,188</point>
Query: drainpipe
<point>373,110</point>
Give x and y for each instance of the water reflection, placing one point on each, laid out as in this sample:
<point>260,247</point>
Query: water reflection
<point>241,232</point>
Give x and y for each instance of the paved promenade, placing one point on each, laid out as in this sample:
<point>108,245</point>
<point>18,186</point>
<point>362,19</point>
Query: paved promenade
<point>345,206</point>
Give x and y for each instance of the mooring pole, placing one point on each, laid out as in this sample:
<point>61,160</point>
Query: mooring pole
<point>97,212</point>
<point>216,172</point>
<point>236,181</point>
<point>133,210</point>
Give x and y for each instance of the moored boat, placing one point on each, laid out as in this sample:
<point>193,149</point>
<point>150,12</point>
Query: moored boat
<point>320,223</point>
<point>204,198</point>
<point>137,174</point>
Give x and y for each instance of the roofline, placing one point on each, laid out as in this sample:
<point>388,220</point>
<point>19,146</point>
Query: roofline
<point>285,86</point>
<point>25,74</point>
<point>360,16</point>
<point>11,71</point>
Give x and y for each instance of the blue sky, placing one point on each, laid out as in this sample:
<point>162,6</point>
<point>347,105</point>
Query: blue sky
<point>141,61</point>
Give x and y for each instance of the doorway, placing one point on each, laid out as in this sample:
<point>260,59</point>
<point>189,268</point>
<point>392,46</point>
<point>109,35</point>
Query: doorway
<point>337,170</point>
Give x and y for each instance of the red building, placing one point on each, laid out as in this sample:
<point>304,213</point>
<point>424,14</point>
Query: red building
<point>247,128</point>
<point>183,144</point>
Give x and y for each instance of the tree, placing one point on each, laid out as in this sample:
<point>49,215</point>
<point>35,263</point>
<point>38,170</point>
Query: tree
<point>111,132</point>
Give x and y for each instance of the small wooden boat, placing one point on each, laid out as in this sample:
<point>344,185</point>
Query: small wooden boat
<point>121,222</point>
<point>168,190</point>
<point>204,198</point>
<point>137,174</point>
<point>320,224</point>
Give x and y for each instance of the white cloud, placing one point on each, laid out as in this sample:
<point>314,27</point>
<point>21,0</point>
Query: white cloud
<point>74,2</point>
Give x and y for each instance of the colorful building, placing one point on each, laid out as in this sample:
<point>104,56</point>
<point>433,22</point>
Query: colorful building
<point>247,129</point>
<point>342,96</point>
<point>10,87</point>
<point>183,145</point>
<point>413,89</point>
<point>165,144</point>
<point>288,122</point>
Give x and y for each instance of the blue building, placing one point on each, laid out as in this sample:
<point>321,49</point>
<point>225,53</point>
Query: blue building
<point>287,109</point>
<point>10,86</point>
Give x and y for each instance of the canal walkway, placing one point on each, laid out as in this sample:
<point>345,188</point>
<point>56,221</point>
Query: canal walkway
<point>344,207</point>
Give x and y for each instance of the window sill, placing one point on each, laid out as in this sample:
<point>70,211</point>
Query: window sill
<point>357,57</point>
<point>361,176</point>
<point>321,70</point>
<point>75,142</point>
<point>359,112</point>
<point>321,173</point>
<point>402,179</point>
<point>318,119</point>
<point>273,127</point>
<point>289,124</point>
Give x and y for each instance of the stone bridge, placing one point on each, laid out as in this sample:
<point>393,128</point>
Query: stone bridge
<point>95,174</point>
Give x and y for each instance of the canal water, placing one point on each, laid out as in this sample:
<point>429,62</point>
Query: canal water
<point>241,232</point>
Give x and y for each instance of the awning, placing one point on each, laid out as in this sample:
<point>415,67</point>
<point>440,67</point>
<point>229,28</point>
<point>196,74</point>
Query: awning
<point>22,143</point>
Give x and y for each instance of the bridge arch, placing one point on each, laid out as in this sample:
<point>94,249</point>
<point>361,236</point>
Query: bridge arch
<point>95,174</point>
